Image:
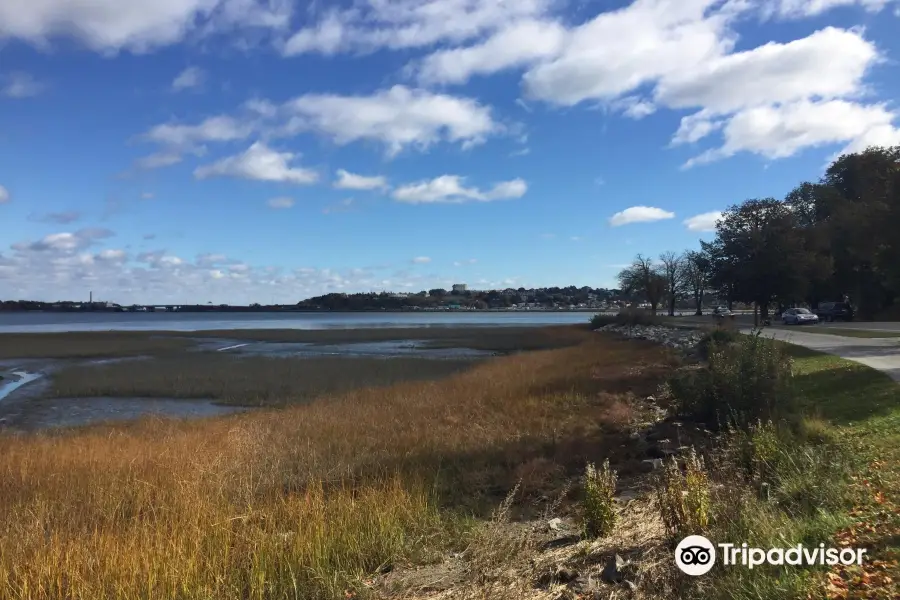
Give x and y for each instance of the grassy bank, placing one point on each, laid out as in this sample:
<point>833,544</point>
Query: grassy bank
<point>309,501</point>
<point>248,381</point>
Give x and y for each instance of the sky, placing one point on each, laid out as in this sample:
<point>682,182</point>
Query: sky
<point>236,151</point>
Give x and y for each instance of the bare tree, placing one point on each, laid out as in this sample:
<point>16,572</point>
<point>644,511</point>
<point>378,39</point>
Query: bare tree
<point>672,267</point>
<point>643,277</point>
<point>696,276</point>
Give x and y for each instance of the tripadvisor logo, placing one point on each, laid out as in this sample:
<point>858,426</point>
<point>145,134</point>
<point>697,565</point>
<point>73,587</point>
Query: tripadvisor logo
<point>695,555</point>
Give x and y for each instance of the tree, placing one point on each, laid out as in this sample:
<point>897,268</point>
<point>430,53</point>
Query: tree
<point>696,276</point>
<point>759,254</point>
<point>643,277</point>
<point>437,292</point>
<point>673,270</point>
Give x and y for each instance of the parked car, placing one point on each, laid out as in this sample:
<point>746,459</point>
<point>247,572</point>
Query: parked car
<point>834,311</point>
<point>722,311</point>
<point>798,316</point>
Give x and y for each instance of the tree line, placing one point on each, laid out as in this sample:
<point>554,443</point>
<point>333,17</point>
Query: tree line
<point>828,240</point>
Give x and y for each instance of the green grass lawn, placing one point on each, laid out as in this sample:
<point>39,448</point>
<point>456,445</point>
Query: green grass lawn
<point>863,406</point>
<point>857,333</point>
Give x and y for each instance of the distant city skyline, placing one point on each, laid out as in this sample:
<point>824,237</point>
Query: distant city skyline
<point>255,151</point>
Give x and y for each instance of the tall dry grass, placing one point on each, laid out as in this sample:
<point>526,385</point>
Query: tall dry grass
<point>249,380</point>
<point>303,502</point>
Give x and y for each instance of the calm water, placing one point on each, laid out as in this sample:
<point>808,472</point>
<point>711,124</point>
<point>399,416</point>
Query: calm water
<point>54,322</point>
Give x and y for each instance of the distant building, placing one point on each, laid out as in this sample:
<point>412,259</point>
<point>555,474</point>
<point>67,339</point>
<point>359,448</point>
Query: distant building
<point>459,287</point>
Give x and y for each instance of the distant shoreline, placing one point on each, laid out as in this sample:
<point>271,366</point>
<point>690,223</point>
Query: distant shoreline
<point>301,310</point>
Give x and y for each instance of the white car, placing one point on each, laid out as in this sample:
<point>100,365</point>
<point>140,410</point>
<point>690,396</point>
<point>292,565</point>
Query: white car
<point>798,316</point>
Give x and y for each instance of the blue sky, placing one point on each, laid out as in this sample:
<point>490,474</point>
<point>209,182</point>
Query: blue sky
<point>270,150</point>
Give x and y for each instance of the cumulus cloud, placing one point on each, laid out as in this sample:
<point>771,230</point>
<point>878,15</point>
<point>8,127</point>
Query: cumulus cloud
<point>351,181</point>
<point>191,77</point>
<point>781,131</point>
<point>639,214</point>
<point>519,44</point>
<point>260,163</point>
<point>403,24</point>
<point>704,221</point>
<point>112,25</point>
<point>20,85</point>
<point>280,202</point>
<point>451,189</point>
<point>5,196</point>
<point>78,240</point>
<point>421,260</point>
<point>811,8</point>
<point>398,118</point>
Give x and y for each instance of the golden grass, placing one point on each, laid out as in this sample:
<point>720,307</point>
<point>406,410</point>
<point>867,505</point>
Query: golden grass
<point>306,501</point>
<point>251,381</point>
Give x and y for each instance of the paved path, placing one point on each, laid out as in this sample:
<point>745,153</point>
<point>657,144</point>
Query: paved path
<point>879,353</point>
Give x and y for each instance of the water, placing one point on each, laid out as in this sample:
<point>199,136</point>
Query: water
<point>45,322</point>
<point>15,380</point>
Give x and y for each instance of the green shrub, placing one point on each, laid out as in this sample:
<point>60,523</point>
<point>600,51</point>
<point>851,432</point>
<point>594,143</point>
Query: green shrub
<point>718,338</point>
<point>599,503</point>
<point>684,498</point>
<point>799,477</point>
<point>746,381</point>
<point>601,320</point>
<point>626,316</point>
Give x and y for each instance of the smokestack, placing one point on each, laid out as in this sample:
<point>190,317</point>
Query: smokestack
<point>92,297</point>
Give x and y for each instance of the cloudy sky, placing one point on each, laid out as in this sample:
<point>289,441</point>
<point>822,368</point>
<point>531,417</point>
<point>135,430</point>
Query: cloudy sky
<point>270,150</point>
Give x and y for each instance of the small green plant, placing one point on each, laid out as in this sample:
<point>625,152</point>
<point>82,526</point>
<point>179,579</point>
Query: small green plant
<point>717,338</point>
<point>684,498</point>
<point>601,320</point>
<point>748,380</point>
<point>599,503</point>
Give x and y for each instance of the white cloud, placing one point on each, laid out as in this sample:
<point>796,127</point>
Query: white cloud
<point>421,260</point>
<point>781,131</point>
<point>402,24</point>
<point>703,222</point>
<point>261,163</point>
<point>640,214</point>
<point>451,189</point>
<point>518,44</point>
<point>4,195</point>
<point>113,25</point>
<point>810,8</point>
<point>280,202</point>
<point>829,63</point>
<point>220,128</point>
<point>351,181</point>
<point>398,118</point>
<point>78,240</point>
<point>147,196</point>
<point>663,37</point>
<point>20,85</point>
<point>635,107</point>
<point>191,77</point>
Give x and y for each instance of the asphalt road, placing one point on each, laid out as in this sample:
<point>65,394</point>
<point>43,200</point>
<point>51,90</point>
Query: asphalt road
<point>879,353</point>
<point>746,320</point>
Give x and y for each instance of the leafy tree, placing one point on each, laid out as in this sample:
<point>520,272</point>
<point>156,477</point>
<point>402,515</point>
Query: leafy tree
<point>759,253</point>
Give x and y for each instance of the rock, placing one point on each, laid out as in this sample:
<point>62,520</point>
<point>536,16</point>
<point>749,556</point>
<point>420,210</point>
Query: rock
<point>566,540</point>
<point>655,452</point>
<point>651,464</point>
<point>626,496</point>
<point>555,524</point>
<point>612,571</point>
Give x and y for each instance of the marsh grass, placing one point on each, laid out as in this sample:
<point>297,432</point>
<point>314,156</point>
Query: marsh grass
<point>250,380</point>
<point>99,344</point>
<point>307,501</point>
